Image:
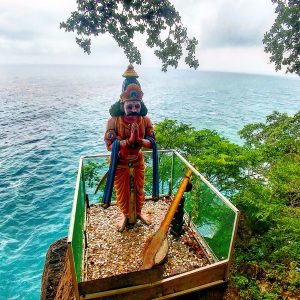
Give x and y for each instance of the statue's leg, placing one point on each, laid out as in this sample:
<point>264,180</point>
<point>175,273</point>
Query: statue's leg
<point>122,187</point>
<point>132,200</point>
<point>139,181</point>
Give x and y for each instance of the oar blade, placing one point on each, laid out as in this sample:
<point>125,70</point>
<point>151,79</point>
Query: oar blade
<point>101,182</point>
<point>162,252</point>
<point>155,250</point>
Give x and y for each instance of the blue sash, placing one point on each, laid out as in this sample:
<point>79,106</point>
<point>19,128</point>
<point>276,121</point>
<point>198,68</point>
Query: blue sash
<point>155,182</point>
<point>111,172</point>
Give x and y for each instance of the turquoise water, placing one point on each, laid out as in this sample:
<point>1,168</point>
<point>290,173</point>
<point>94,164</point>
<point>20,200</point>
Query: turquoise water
<point>50,115</point>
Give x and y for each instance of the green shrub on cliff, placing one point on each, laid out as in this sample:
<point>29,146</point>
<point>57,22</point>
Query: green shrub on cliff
<point>263,177</point>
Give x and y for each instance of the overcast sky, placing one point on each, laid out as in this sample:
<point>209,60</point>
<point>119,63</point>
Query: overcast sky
<point>230,35</point>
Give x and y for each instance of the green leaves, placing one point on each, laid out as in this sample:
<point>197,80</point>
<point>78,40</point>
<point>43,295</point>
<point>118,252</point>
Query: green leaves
<point>282,42</point>
<point>216,158</point>
<point>159,20</point>
<point>262,177</point>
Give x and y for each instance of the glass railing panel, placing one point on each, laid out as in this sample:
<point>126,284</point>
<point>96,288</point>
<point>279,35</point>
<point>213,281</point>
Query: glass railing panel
<point>178,170</point>
<point>148,174</point>
<point>78,229</point>
<point>164,171</point>
<point>213,218</point>
<point>95,169</point>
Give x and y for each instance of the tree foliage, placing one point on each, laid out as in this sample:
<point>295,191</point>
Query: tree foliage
<point>263,178</point>
<point>215,157</point>
<point>276,145</point>
<point>123,19</point>
<point>282,42</point>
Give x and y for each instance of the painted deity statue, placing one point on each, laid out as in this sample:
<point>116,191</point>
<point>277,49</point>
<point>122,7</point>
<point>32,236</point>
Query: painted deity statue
<point>127,132</point>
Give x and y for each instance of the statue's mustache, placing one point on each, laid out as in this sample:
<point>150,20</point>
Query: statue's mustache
<point>133,113</point>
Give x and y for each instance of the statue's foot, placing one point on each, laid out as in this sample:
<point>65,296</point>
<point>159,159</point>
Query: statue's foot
<point>145,218</point>
<point>121,223</point>
<point>104,205</point>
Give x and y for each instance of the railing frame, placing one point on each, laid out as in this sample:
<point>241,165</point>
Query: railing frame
<point>188,165</point>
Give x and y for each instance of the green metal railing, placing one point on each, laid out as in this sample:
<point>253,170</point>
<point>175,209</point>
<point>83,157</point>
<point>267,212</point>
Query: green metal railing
<point>211,213</point>
<point>214,217</point>
<point>77,224</point>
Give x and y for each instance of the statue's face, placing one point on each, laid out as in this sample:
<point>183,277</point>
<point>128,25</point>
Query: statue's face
<point>132,108</point>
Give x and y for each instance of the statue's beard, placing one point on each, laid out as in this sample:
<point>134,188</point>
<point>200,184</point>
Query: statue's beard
<point>133,113</point>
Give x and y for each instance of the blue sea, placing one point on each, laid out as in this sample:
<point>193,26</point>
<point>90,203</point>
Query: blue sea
<point>50,115</point>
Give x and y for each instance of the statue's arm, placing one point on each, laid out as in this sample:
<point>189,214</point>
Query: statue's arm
<point>149,132</point>
<point>111,135</point>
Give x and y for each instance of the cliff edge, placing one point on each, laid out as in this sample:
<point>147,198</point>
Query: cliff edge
<point>56,280</point>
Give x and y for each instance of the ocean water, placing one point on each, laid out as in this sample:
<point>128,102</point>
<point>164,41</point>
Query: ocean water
<point>50,115</point>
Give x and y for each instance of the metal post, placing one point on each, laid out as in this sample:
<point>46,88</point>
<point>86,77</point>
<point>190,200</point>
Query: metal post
<point>172,175</point>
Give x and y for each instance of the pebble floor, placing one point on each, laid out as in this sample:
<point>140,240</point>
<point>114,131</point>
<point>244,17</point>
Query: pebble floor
<point>111,253</point>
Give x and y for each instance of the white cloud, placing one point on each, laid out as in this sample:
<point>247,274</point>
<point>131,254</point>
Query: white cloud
<point>220,23</point>
<point>229,33</point>
<point>238,59</point>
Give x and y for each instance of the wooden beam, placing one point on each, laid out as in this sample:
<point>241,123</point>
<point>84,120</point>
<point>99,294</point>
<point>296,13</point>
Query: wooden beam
<point>192,290</point>
<point>174,284</point>
<point>122,280</point>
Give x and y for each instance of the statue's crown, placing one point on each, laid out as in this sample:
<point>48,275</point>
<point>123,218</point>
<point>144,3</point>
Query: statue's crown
<point>132,92</point>
<point>130,72</point>
<point>131,88</point>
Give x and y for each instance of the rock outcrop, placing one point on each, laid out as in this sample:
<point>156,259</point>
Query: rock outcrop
<point>56,280</point>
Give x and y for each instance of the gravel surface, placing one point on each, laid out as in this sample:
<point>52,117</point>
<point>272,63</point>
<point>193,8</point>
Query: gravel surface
<point>111,253</point>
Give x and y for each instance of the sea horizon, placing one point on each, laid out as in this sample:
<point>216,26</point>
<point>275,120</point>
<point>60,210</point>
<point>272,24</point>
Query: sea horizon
<point>156,67</point>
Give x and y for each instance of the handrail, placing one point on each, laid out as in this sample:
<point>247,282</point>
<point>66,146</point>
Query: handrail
<point>188,165</point>
<point>221,196</point>
<point>72,219</point>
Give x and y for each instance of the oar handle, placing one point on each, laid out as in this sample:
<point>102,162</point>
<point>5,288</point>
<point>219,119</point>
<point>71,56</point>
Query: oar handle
<point>175,203</point>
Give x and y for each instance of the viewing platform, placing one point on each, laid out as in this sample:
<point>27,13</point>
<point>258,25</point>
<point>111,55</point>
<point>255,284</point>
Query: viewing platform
<point>106,264</point>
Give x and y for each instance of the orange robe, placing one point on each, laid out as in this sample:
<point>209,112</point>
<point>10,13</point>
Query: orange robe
<point>130,173</point>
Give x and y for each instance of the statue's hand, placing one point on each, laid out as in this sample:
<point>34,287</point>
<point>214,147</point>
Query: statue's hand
<point>134,134</point>
<point>137,133</point>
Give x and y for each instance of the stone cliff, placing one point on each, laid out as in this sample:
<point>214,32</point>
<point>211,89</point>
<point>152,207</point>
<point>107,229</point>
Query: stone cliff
<point>56,280</point>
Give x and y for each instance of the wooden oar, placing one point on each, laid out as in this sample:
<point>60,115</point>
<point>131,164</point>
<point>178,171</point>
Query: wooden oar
<point>156,246</point>
<point>101,182</point>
